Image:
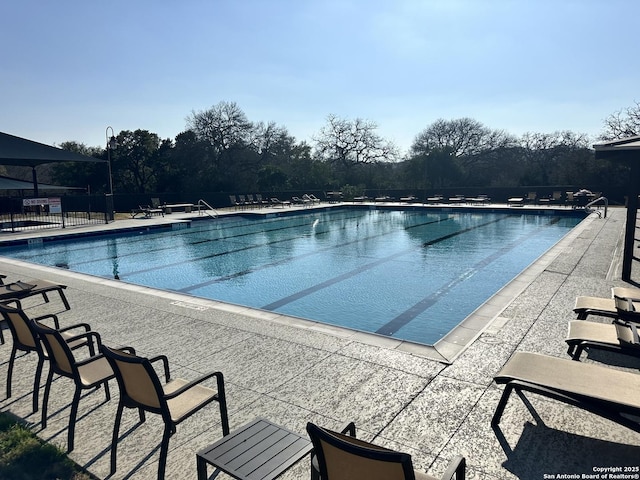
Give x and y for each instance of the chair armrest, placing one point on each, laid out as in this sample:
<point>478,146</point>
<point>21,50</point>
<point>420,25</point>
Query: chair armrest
<point>13,300</point>
<point>350,430</point>
<point>51,316</point>
<point>165,364</point>
<point>86,327</point>
<point>88,335</point>
<point>456,469</point>
<point>193,383</point>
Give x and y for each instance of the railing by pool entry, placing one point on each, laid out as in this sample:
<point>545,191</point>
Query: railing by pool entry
<point>205,211</point>
<point>604,201</point>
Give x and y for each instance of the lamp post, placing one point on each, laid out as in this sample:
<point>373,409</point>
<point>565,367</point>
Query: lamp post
<point>112,144</point>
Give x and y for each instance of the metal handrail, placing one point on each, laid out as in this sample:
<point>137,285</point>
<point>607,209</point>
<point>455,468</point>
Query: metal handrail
<point>590,210</point>
<point>209,207</point>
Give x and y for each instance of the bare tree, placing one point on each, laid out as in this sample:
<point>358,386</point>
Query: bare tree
<point>352,142</point>
<point>546,151</point>
<point>223,126</point>
<point>622,124</point>
<point>461,137</point>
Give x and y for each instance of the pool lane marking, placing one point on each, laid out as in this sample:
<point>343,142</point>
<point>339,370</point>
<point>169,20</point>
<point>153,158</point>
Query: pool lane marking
<point>368,266</point>
<point>290,259</point>
<point>251,247</point>
<point>170,247</point>
<point>427,302</point>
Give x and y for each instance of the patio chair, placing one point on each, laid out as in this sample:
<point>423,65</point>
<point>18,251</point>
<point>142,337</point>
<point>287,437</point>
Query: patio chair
<point>178,399</point>
<point>532,198</point>
<point>234,202</point>
<point>21,290</point>
<point>621,337</point>
<point>25,339</point>
<point>606,307</point>
<point>604,391</point>
<point>261,202</point>
<point>554,198</point>
<point>89,372</point>
<point>242,201</point>
<point>341,456</point>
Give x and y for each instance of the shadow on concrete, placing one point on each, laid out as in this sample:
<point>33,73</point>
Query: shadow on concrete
<point>544,451</point>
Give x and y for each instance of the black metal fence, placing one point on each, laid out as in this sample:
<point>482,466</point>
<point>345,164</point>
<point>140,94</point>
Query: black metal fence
<point>22,214</point>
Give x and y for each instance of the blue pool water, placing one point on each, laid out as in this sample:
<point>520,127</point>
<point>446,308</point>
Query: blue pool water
<point>412,275</point>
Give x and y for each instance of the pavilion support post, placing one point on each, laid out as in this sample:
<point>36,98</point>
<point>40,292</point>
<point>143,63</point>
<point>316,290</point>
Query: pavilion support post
<point>630,231</point>
<point>34,176</point>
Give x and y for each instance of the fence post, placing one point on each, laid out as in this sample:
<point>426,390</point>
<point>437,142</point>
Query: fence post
<point>109,206</point>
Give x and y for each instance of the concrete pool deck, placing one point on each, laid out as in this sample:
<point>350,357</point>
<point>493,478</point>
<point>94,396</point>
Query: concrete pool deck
<point>291,372</point>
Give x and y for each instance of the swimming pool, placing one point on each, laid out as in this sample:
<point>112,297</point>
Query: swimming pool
<point>412,275</point>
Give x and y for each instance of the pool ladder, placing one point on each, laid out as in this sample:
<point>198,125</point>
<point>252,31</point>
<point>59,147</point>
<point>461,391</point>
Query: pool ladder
<point>205,211</point>
<point>591,210</point>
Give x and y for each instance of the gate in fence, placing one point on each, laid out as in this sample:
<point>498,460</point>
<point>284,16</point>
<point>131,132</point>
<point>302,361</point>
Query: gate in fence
<point>19,214</point>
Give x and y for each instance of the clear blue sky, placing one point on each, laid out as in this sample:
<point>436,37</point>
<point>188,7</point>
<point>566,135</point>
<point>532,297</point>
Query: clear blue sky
<point>70,68</point>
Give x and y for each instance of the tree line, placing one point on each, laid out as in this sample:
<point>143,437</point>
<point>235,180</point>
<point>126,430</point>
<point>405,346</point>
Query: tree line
<point>221,150</point>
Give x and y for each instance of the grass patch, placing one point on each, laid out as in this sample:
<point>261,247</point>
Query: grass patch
<point>23,456</point>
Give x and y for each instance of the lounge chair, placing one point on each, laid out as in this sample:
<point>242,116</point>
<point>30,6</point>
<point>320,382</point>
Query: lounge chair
<point>606,307</point>
<point>610,393</point>
<point>435,199</point>
<point>282,203</point>
<point>25,339</point>
<point>177,400</point>
<point>90,372</point>
<point>147,211</point>
<point>311,197</point>
<point>21,290</point>
<point>338,456</point>
<point>481,199</point>
<point>457,199</point>
<point>620,336</point>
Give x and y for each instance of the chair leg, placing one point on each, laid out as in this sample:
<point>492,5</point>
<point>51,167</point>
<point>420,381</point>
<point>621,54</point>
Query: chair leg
<point>45,400</point>
<point>106,390</point>
<point>64,300</point>
<point>315,472</point>
<point>12,359</point>
<point>36,383</point>
<point>501,405</point>
<point>164,450</point>
<point>72,419</point>
<point>114,438</point>
<point>222,400</point>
